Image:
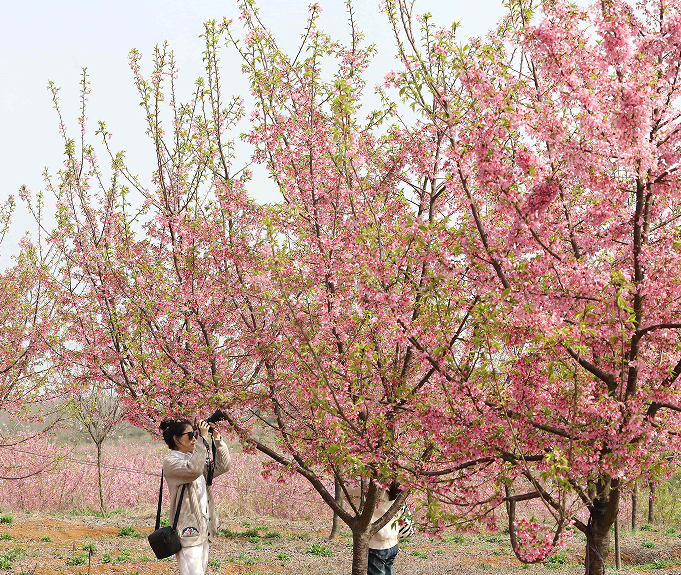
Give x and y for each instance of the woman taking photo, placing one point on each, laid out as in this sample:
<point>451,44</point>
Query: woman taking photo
<point>191,463</point>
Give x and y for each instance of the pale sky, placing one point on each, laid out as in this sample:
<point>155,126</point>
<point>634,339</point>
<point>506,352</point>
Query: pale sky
<point>41,41</point>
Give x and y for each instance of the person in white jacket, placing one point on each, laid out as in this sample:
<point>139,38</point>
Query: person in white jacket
<point>190,464</point>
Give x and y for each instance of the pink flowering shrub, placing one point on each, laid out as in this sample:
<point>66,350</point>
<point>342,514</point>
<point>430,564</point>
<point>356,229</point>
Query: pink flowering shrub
<point>244,490</point>
<point>131,475</point>
<point>68,479</point>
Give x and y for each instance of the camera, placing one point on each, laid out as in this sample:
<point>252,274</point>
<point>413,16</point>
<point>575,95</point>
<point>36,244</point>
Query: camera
<point>219,415</point>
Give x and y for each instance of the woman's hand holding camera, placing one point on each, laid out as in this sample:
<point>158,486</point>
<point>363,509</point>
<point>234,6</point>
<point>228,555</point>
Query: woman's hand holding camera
<point>203,429</point>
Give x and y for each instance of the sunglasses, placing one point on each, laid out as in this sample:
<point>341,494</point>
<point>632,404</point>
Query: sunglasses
<point>191,434</point>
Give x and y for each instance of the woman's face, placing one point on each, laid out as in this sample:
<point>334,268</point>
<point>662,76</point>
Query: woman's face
<point>185,441</point>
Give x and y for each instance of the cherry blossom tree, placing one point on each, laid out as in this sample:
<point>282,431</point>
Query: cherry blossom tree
<point>290,317</point>
<point>562,131</point>
<point>358,260</point>
<point>25,311</point>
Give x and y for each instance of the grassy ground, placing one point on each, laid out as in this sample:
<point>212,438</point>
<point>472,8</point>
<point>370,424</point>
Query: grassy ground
<point>39,544</point>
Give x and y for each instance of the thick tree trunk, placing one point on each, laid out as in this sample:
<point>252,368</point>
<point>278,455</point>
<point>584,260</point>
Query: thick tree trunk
<point>598,548</point>
<point>99,479</point>
<point>603,515</point>
<point>651,505</point>
<point>634,508</point>
<point>360,553</point>
<point>338,496</point>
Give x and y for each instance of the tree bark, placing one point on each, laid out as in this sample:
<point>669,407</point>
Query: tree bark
<point>651,504</point>
<point>338,496</point>
<point>603,515</point>
<point>634,508</point>
<point>600,548</point>
<point>360,553</point>
<point>618,555</point>
<point>99,479</point>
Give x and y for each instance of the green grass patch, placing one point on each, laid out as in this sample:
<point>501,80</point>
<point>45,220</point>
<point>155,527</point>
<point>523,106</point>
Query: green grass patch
<point>129,532</point>
<point>557,560</point>
<point>6,519</point>
<point>123,556</point>
<point>77,560</point>
<point>320,550</point>
<point>8,558</point>
<point>6,537</point>
<point>493,539</point>
<point>243,559</point>
<point>418,554</point>
<point>253,534</point>
<point>458,538</point>
<point>45,539</point>
<point>87,513</point>
<point>657,564</point>
<point>283,557</point>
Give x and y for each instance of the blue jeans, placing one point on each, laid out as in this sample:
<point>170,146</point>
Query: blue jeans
<point>381,561</point>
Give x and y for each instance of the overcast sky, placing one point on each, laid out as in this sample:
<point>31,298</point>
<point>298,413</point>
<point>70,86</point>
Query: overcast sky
<point>41,41</point>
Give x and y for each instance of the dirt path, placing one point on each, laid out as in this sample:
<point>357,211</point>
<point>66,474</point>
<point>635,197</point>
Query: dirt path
<point>46,544</point>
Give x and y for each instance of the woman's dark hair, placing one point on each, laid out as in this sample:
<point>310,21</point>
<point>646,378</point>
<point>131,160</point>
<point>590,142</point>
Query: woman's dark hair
<point>172,427</point>
<point>394,490</point>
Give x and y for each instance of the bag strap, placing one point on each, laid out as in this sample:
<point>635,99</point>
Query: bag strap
<point>160,497</point>
<point>158,511</point>
<point>211,467</point>
<point>179,506</point>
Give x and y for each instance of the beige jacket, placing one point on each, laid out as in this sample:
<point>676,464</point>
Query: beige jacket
<point>386,537</point>
<point>191,526</point>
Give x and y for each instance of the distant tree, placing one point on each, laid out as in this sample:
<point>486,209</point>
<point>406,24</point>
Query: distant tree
<point>634,507</point>
<point>100,413</point>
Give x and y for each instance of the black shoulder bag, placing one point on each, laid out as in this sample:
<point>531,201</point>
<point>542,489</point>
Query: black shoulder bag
<point>165,541</point>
